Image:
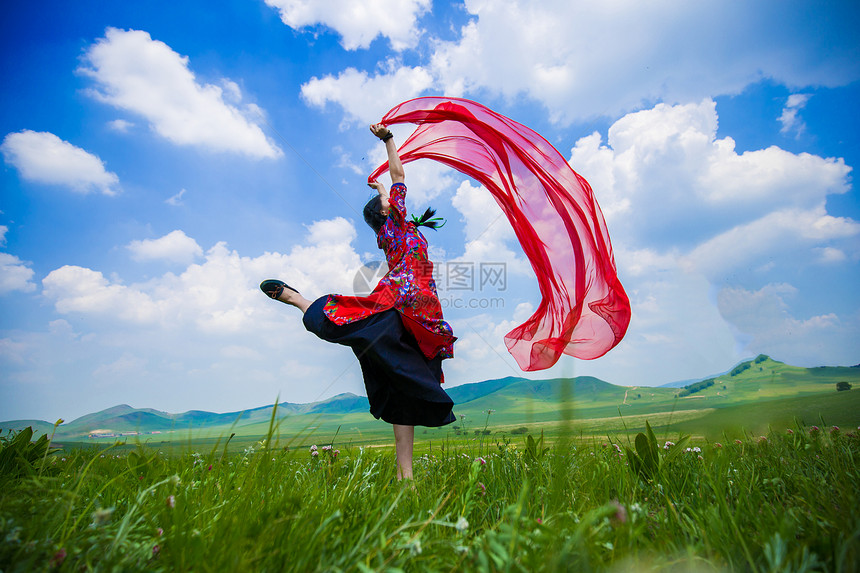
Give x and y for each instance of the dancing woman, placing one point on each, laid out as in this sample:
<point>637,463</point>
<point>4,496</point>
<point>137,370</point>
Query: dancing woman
<point>397,332</point>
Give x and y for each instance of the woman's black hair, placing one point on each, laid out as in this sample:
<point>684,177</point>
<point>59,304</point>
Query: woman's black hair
<point>374,217</point>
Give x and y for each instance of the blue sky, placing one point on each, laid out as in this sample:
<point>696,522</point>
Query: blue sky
<point>161,159</point>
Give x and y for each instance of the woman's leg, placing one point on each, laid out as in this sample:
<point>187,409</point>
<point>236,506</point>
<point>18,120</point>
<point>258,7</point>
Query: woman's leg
<point>295,299</point>
<point>404,436</point>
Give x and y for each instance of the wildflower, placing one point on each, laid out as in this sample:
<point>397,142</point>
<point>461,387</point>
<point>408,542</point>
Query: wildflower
<point>159,532</point>
<point>210,467</point>
<point>315,453</point>
<point>718,445</point>
<point>58,558</point>
<point>482,488</point>
<point>814,430</point>
<point>314,448</point>
<point>738,442</point>
<point>762,440</point>
<point>482,460</point>
<point>789,431</point>
<point>462,525</point>
<point>701,458</point>
<point>326,448</point>
<point>156,550</point>
<point>539,520</point>
<point>620,515</point>
<point>668,445</point>
<point>834,430</point>
<point>171,501</point>
<point>415,547</point>
<point>14,535</point>
<point>102,516</point>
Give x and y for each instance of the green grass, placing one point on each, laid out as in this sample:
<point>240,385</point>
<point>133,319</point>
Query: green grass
<point>482,503</point>
<point>832,408</point>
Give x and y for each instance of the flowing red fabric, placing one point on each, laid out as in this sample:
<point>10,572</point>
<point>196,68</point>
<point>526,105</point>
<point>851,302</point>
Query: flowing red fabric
<point>584,311</point>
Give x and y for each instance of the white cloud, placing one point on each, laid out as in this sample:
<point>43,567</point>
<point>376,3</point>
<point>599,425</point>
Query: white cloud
<point>828,255</point>
<point>135,73</point>
<point>126,365</point>
<point>665,180</point>
<point>605,59</point>
<point>176,247</point>
<point>176,200</point>
<point>3,230</point>
<point>14,274</point>
<point>585,60</point>
<point>220,294</point>
<point>120,125</point>
<point>45,158</point>
<point>789,118</point>
<point>12,351</point>
<point>789,232</point>
<point>765,318</point>
<point>358,23</point>
<point>80,290</point>
<point>364,98</point>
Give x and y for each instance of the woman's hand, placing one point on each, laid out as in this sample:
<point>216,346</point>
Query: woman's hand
<point>379,187</point>
<point>379,130</point>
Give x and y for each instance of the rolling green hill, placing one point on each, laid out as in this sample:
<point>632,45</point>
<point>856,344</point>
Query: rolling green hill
<point>825,409</point>
<point>755,392</point>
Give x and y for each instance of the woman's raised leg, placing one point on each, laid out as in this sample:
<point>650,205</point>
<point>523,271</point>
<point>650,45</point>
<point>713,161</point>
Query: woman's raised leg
<point>293,298</point>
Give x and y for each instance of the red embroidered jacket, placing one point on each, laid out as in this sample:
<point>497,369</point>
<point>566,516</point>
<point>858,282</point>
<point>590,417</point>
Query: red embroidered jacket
<point>408,287</point>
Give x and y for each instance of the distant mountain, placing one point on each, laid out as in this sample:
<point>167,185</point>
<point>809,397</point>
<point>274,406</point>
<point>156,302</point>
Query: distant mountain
<point>39,426</point>
<point>682,383</point>
<point>751,381</point>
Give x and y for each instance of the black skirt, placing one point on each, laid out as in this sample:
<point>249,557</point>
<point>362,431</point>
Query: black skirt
<point>403,386</point>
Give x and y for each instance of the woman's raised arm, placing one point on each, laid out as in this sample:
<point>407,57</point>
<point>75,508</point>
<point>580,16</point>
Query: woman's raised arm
<point>395,166</point>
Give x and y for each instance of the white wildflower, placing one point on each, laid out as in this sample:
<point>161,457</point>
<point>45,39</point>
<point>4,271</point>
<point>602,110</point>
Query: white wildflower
<point>462,525</point>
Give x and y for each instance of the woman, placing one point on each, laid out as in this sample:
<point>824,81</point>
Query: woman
<point>397,332</point>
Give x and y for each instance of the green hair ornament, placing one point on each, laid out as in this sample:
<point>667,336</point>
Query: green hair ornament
<point>429,220</point>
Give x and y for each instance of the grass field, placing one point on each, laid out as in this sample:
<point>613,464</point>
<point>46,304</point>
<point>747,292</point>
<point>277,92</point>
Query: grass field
<point>784,502</point>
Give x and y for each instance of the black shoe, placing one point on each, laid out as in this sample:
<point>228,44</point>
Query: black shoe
<point>274,288</point>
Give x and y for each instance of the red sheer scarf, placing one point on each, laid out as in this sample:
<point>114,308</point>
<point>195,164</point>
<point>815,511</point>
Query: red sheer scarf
<point>584,311</point>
